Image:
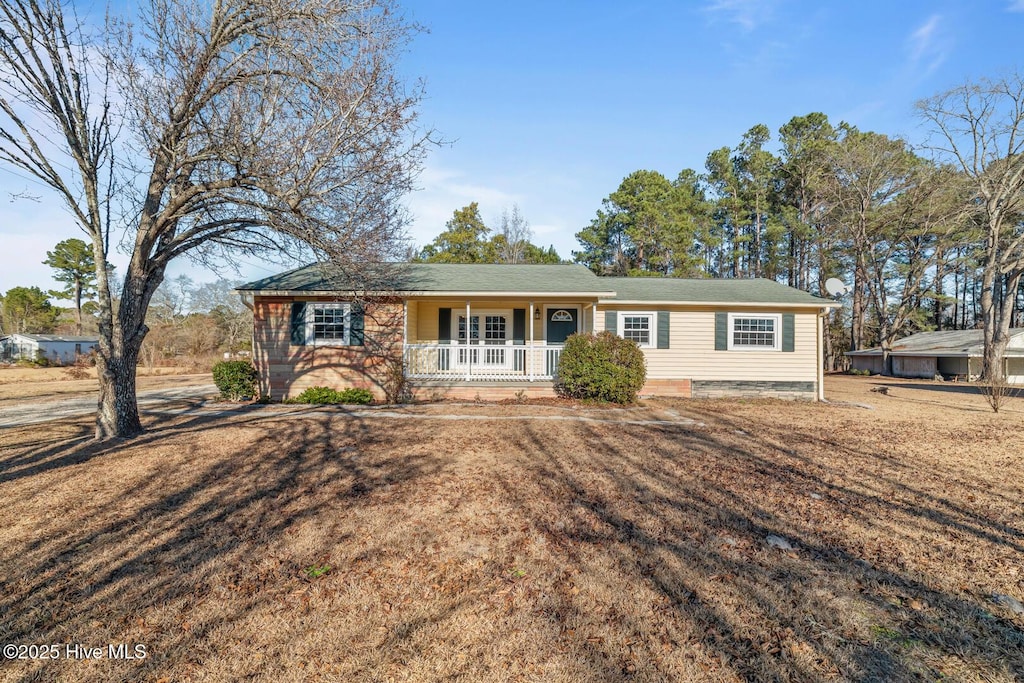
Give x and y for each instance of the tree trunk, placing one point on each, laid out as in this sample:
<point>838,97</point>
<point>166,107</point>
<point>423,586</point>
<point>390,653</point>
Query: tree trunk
<point>117,410</point>
<point>828,351</point>
<point>992,365</point>
<point>78,306</point>
<point>963,308</point>
<point>1001,299</point>
<point>118,357</point>
<point>886,344</point>
<point>857,309</point>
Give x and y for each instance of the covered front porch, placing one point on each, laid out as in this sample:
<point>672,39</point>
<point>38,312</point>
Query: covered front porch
<point>490,339</point>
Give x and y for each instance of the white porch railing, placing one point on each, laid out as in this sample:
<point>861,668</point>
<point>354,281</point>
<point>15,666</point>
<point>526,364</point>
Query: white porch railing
<point>458,362</point>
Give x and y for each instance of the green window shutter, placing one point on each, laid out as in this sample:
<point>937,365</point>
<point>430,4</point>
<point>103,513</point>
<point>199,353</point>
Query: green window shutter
<point>788,331</point>
<point>721,331</point>
<point>298,323</point>
<point>519,326</point>
<point>356,332</point>
<point>444,325</point>
<point>663,323</point>
<point>611,322</point>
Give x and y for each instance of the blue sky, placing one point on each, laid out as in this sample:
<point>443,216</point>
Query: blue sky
<point>549,105</point>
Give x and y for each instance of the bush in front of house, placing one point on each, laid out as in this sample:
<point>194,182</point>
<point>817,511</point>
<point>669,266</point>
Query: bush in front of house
<point>236,379</point>
<point>601,367</point>
<point>326,395</point>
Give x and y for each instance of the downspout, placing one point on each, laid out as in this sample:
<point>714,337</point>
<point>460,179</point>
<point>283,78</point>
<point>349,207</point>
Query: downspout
<point>819,346</point>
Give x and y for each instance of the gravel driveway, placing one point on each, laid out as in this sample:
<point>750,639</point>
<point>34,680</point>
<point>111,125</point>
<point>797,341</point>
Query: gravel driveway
<point>16,414</point>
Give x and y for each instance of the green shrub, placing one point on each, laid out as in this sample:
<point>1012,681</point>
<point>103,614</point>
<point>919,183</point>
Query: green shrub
<point>236,379</point>
<point>326,395</point>
<point>601,367</point>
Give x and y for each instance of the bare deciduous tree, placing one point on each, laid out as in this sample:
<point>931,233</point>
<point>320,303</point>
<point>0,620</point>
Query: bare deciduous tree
<point>980,128</point>
<point>515,234</point>
<point>906,237</point>
<point>210,129</point>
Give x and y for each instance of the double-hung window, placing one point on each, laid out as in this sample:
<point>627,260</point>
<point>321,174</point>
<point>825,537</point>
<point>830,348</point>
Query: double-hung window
<point>637,326</point>
<point>755,332</point>
<point>328,323</point>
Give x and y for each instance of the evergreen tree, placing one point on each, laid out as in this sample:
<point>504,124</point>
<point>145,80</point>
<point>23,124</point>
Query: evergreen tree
<point>463,240</point>
<point>26,310</point>
<point>75,266</point>
<point>647,226</point>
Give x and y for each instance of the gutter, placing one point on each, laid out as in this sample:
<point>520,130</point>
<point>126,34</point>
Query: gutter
<point>447,294</point>
<point>718,304</point>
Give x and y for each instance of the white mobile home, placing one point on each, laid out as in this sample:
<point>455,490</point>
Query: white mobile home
<point>54,348</point>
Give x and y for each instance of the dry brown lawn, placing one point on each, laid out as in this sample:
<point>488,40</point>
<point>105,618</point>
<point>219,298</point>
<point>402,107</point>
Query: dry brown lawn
<point>513,544</point>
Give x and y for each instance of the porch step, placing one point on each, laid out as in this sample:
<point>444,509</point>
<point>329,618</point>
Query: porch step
<point>480,390</point>
<point>482,383</point>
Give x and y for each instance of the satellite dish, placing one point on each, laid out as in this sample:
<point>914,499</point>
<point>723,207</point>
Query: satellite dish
<point>835,287</point>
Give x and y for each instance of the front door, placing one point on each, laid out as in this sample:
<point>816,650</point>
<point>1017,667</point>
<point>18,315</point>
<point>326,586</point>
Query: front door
<point>561,323</point>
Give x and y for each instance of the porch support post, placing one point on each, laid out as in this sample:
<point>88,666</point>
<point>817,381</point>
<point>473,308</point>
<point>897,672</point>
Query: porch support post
<point>405,337</point>
<point>529,361</point>
<point>469,344</point>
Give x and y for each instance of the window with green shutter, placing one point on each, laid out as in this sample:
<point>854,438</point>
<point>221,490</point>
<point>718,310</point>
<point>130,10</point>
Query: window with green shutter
<point>755,332</point>
<point>327,323</point>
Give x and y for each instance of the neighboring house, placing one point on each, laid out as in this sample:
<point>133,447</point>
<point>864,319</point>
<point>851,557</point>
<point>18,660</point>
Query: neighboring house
<point>953,354</point>
<point>55,348</point>
<point>487,330</point>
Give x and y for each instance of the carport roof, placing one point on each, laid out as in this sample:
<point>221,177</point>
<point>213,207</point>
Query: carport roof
<point>962,343</point>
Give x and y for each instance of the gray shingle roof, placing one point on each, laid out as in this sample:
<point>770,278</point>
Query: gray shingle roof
<point>733,291</point>
<point>441,278</point>
<point>947,343</point>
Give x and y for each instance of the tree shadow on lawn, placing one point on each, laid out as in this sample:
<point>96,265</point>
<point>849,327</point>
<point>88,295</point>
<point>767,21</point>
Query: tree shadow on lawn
<point>71,442</point>
<point>177,518</point>
<point>653,565</point>
<point>683,517</point>
<point>972,388</point>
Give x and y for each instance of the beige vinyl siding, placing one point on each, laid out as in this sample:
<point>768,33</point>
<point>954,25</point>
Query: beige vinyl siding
<point>412,322</point>
<point>692,355</point>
